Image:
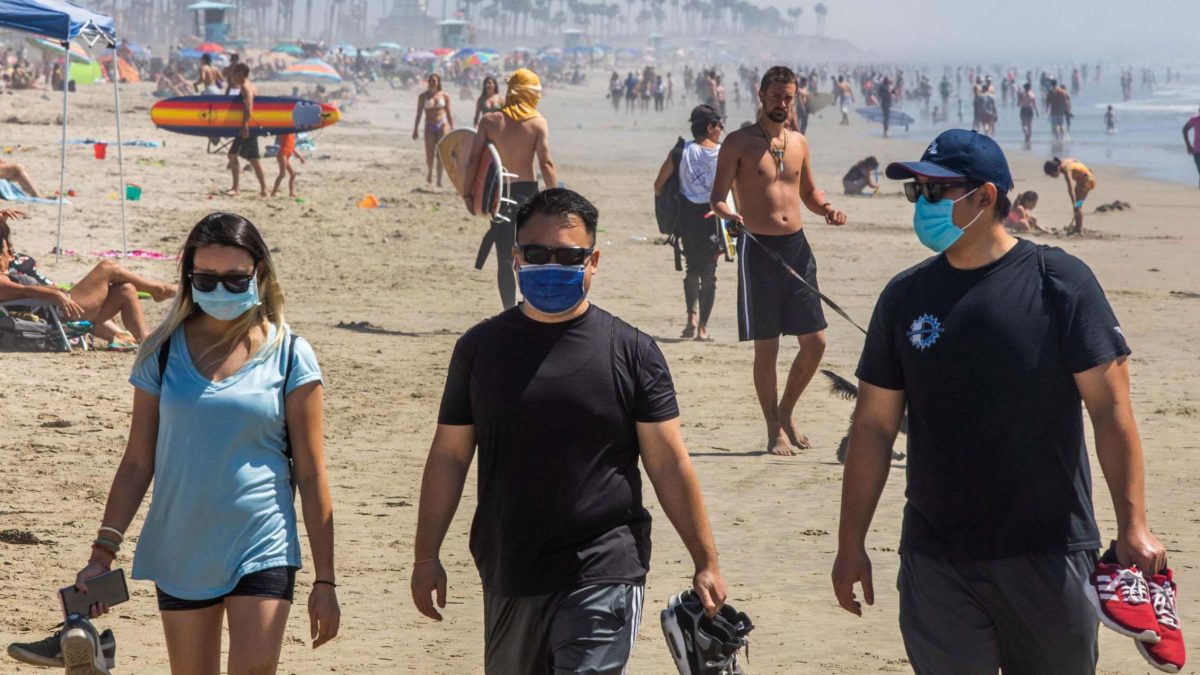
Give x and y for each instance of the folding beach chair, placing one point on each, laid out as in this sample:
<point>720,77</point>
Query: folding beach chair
<point>17,334</point>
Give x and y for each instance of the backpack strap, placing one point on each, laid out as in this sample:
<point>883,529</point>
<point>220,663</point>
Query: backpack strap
<point>164,353</point>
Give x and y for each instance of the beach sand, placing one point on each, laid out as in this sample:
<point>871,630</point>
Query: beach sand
<point>407,269</point>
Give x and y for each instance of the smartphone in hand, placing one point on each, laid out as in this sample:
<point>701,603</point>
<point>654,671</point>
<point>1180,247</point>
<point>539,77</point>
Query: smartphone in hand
<point>108,588</point>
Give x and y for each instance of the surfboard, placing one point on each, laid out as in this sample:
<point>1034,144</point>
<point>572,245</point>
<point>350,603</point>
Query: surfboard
<point>221,116</point>
<point>895,117</point>
<point>818,102</point>
<point>489,189</point>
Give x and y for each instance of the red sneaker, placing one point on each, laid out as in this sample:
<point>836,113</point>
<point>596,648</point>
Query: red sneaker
<point>1168,654</point>
<point>1121,599</point>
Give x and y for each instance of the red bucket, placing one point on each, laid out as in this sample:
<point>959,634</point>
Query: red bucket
<point>101,150</point>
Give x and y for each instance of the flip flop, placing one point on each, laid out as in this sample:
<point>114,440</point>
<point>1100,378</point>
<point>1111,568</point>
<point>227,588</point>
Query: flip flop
<point>688,332</point>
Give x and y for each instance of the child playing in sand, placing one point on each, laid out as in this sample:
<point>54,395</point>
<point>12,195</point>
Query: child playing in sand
<point>287,148</point>
<point>1020,216</point>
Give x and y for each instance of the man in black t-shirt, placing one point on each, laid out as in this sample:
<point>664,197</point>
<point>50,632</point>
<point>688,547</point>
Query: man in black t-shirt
<point>562,399</point>
<point>991,345</point>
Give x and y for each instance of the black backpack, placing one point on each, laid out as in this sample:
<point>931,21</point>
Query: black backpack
<point>19,334</point>
<point>669,203</point>
<point>164,353</point>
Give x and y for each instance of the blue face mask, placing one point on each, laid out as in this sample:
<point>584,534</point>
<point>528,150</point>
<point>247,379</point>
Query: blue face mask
<point>219,303</point>
<point>934,222</point>
<point>552,289</point>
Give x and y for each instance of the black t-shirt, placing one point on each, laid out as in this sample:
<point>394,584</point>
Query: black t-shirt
<point>555,408</point>
<point>997,464</point>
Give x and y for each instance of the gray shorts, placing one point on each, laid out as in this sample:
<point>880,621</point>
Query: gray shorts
<point>589,629</point>
<point>1024,615</point>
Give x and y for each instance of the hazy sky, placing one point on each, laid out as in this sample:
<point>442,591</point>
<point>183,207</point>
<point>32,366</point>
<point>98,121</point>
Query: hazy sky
<point>1015,30</point>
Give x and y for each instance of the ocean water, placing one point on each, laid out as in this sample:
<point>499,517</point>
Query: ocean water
<point>1149,126</point>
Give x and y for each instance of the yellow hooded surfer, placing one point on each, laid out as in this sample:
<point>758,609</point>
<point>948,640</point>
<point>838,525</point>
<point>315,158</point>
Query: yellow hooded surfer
<point>520,135</point>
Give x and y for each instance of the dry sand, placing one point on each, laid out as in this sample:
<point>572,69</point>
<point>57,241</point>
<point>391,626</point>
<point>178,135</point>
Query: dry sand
<point>407,269</point>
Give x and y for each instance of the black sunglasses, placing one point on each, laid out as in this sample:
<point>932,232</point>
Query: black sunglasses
<point>566,255</point>
<point>234,283</point>
<point>933,192</point>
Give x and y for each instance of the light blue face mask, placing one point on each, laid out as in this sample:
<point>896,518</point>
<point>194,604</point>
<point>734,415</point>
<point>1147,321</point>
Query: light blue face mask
<point>934,222</point>
<point>219,303</point>
<point>552,289</point>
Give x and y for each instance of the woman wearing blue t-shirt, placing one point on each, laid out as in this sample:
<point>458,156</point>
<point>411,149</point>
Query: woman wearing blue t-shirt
<point>212,429</point>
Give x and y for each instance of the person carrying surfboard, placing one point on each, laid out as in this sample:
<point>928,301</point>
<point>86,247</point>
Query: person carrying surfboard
<point>770,169</point>
<point>520,134</point>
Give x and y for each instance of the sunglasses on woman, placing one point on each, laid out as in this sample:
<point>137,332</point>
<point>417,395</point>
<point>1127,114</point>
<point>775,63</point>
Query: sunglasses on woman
<point>933,192</point>
<point>207,283</point>
<point>543,255</point>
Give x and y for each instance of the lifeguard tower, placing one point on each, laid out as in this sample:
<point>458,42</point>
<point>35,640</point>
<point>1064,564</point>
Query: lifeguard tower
<point>210,20</point>
<point>454,33</point>
<point>573,37</point>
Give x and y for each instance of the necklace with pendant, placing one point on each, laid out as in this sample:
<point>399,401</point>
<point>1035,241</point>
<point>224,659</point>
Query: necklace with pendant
<point>776,153</point>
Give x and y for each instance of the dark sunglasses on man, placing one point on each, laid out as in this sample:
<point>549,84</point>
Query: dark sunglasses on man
<point>543,255</point>
<point>933,192</point>
<point>207,283</point>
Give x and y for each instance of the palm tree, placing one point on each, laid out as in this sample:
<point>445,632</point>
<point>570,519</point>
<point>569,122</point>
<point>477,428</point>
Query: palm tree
<point>795,13</point>
<point>820,10</point>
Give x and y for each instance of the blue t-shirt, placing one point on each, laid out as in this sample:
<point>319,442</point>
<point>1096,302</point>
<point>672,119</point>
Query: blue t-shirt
<point>222,505</point>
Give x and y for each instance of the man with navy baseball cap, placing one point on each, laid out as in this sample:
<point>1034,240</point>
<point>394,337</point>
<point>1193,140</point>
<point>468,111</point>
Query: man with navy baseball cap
<point>991,345</point>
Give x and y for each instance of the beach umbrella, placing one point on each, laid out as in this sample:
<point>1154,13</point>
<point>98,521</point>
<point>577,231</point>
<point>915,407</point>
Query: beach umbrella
<point>210,48</point>
<point>77,53</point>
<point>347,47</point>
<point>288,48</point>
<point>389,45</point>
<point>442,51</point>
<point>419,56</point>
<point>311,69</point>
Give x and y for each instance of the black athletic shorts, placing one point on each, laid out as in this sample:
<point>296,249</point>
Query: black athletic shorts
<point>275,582</point>
<point>770,301</point>
<point>1026,114</point>
<point>246,148</point>
<point>698,235</point>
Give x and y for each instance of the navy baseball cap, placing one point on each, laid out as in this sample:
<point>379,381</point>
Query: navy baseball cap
<point>958,153</point>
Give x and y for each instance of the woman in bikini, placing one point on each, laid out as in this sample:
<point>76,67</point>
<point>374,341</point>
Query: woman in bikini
<point>489,101</point>
<point>434,104</point>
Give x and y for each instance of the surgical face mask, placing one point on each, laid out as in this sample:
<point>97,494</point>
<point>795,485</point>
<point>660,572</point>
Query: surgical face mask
<point>552,289</point>
<point>219,303</point>
<point>934,222</point>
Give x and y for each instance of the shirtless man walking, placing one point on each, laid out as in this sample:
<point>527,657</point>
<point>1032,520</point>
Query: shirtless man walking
<point>245,145</point>
<point>520,134</point>
<point>770,171</point>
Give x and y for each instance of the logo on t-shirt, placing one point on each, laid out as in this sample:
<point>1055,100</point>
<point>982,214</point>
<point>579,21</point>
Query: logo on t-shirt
<point>1119,331</point>
<point>924,331</point>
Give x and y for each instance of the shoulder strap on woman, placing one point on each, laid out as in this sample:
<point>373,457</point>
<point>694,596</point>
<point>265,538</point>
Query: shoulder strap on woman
<point>164,352</point>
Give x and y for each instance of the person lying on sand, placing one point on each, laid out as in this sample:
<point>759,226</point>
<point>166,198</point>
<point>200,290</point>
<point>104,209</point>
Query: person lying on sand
<point>18,174</point>
<point>105,292</point>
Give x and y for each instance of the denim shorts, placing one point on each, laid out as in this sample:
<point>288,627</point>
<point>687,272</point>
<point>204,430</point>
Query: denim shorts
<point>276,582</point>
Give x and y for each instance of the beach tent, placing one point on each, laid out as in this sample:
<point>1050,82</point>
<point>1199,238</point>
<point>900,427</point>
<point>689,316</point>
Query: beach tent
<point>127,72</point>
<point>64,22</point>
<point>311,69</point>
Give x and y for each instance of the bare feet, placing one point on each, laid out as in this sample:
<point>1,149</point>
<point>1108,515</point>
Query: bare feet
<point>795,437</point>
<point>702,334</point>
<point>163,292</point>
<point>779,446</point>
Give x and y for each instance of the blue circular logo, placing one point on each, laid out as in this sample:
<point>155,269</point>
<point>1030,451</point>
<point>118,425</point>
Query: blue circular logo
<point>924,331</point>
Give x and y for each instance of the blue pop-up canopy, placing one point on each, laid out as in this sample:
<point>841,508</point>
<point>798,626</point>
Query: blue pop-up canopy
<point>63,22</point>
<point>57,19</point>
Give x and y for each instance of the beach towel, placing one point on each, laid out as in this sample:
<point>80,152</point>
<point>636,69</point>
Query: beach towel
<point>10,191</point>
<point>133,143</point>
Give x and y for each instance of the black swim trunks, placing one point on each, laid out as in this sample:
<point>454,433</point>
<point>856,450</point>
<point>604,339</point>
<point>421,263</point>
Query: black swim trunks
<point>246,148</point>
<point>770,301</point>
<point>278,583</point>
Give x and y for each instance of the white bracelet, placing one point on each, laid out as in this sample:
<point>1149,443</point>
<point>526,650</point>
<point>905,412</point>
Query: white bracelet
<point>105,528</point>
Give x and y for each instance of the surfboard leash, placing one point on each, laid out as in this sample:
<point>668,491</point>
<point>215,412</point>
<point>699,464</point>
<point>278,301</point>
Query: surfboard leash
<point>790,270</point>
